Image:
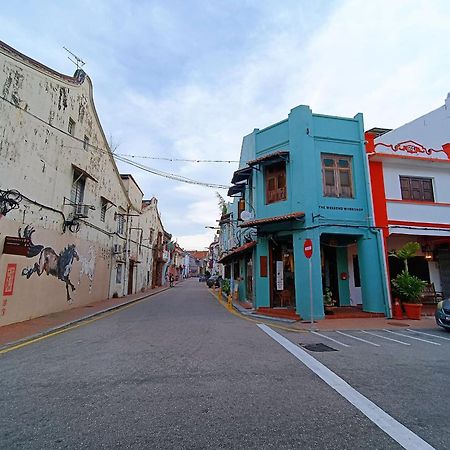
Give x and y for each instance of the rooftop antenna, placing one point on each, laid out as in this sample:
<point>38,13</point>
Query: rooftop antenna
<point>78,61</point>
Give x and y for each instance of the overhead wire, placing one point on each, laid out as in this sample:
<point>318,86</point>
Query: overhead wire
<point>151,170</point>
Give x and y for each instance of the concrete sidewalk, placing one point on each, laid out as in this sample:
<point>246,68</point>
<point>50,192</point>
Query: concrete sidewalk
<point>30,329</point>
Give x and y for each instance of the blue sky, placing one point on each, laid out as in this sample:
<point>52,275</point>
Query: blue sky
<point>188,79</point>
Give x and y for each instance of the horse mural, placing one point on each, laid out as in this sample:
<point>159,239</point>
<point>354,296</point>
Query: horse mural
<point>58,265</point>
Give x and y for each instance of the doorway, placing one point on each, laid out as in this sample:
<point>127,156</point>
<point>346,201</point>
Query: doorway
<point>130,277</point>
<point>282,275</point>
<point>330,272</point>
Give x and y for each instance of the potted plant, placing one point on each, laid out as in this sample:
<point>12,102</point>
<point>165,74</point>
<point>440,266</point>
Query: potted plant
<point>328,301</point>
<point>408,288</point>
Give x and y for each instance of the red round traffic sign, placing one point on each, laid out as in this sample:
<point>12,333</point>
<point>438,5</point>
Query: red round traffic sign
<point>308,248</point>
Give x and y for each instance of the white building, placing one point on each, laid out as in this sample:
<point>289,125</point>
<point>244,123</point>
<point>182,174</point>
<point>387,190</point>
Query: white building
<point>410,176</point>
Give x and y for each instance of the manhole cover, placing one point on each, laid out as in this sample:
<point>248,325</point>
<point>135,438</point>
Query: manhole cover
<point>318,347</point>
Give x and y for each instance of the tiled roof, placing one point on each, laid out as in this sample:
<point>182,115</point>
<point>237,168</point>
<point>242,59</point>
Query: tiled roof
<point>281,154</point>
<point>268,220</point>
<point>199,254</point>
<point>237,250</point>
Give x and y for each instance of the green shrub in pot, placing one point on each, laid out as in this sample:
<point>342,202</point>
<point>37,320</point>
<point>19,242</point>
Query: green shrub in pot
<point>408,288</point>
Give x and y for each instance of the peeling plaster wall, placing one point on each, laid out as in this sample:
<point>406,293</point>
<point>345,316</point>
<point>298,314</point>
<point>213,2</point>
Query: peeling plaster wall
<point>38,156</point>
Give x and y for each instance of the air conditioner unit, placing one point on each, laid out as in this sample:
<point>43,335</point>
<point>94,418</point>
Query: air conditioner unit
<point>117,249</point>
<point>81,211</point>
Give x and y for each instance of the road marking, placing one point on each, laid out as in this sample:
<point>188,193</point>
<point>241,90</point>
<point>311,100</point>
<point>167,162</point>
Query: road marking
<point>330,338</point>
<point>357,338</point>
<point>232,311</point>
<point>412,337</point>
<point>405,437</point>
<point>384,337</point>
<point>428,334</point>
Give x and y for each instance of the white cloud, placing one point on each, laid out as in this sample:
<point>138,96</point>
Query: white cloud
<point>387,59</point>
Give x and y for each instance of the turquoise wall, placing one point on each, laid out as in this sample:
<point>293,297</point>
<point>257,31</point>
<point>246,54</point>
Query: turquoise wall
<point>306,136</point>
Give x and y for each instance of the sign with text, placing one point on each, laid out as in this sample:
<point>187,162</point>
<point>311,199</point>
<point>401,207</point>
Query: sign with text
<point>308,248</point>
<point>280,277</point>
<point>10,276</point>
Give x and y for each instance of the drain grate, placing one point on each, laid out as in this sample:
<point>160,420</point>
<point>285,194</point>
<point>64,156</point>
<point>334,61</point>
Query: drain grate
<point>318,347</point>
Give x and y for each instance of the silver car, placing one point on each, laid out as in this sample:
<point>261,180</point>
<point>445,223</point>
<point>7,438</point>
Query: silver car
<point>442,314</point>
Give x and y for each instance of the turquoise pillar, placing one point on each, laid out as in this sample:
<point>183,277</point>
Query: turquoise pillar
<point>302,278</point>
<point>342,267</point>
<point>262,284</point>
<point>372,280</point>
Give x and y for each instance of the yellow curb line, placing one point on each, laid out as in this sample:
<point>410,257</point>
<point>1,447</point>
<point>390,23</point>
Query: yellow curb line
<point>232,311</point>
<point>80,324</point>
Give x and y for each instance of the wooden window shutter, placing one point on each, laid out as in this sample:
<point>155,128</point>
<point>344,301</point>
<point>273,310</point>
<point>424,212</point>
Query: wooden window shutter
<point>405,188</point>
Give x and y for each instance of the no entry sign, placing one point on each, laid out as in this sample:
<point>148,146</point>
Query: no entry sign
<point>308,248</point>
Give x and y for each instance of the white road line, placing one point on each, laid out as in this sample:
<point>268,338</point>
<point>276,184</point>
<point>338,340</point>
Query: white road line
<point>330,338</point>
<point>428,334</point>
<point>384,337</point>
<point>405,437</point>
<point>412,337</point>
<point>357,338</point>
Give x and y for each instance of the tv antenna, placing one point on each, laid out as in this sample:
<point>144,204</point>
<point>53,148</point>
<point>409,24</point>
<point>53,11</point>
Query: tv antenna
<point>78,61</point>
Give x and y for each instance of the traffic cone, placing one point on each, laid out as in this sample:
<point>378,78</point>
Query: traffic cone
<point>397,312</point>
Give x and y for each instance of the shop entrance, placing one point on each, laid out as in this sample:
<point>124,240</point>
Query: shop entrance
<point>282,277</point>
<point>330,273</point>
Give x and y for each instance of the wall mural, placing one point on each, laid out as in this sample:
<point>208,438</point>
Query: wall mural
<point>50,262</point>
<point>87,266</point>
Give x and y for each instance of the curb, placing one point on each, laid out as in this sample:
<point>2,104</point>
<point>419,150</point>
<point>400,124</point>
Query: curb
<point>248,313</point>
<point>80,319</point>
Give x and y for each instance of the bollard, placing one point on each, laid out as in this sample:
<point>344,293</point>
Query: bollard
<point>230,302</point>
<point>220,293</point>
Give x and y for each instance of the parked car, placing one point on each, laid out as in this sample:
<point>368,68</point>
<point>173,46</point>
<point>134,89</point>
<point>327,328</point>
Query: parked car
<point>442,314</point>
<point>214,281</point>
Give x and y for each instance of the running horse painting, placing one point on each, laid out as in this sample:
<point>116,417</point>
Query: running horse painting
<point>57,265</point>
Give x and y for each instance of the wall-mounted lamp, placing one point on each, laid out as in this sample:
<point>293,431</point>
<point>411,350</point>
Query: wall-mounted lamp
<point>427,252</point>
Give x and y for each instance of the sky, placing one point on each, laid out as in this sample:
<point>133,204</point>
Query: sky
<point>189,78</point>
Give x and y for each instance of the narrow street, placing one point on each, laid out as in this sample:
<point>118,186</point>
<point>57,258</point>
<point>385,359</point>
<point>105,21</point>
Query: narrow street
<point>179,371</point>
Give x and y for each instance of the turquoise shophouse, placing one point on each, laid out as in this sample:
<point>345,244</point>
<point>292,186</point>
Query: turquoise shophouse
<point>306,177</point>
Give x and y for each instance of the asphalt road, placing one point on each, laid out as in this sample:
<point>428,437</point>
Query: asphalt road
<point>179,371</point>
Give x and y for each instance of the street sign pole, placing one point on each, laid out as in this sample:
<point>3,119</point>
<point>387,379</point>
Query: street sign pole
<point>311,295</point>
<point>308,251</point>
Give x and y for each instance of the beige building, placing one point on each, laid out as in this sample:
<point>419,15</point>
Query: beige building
<point>72,229</point>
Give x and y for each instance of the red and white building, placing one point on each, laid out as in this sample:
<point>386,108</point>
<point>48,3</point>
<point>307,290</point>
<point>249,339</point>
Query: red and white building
<point>410,181</point>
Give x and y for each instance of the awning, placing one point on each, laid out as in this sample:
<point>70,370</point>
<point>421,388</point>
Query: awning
<point>83,172</point>
<point>241,175</point>
<point>236,189</point>
<point>269,220</point>
<point>281,155</point>
<point>239,250</point>
<point>225,218</point>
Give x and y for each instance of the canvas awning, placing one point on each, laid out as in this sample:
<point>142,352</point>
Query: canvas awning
<point>235,190</point>
<point>241,175</point>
